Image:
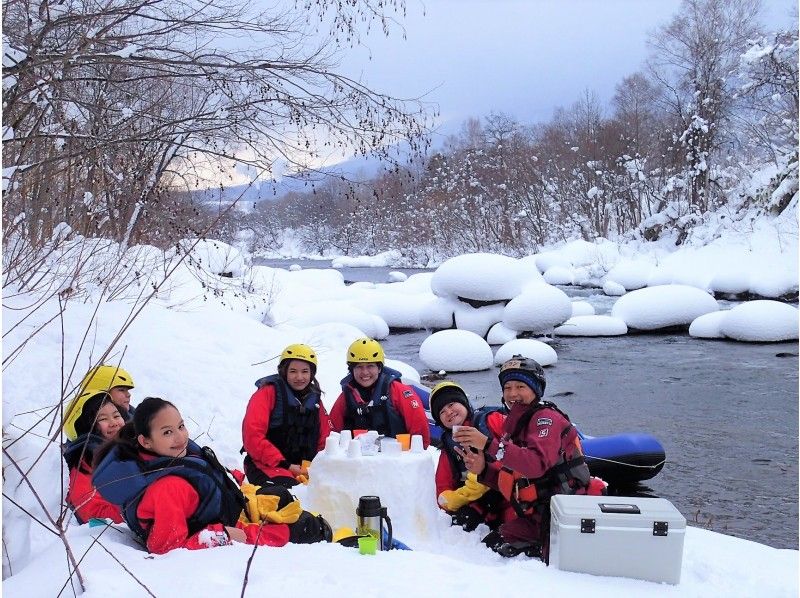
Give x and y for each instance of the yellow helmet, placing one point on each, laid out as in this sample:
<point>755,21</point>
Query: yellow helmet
<point>365,350</point>
<point>106,377</point>
<point>301,352</point>
<point>75,410</point>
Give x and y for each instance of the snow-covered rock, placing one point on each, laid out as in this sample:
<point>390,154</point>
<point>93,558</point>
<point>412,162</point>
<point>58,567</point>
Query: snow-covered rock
<point>559,275</point>
<point>214,257</point>
<point>455,351</point>
<point>500,334</point>
<point>478,319</point>
<point>761,321</point>
<point>663,306</point>
<point>613,289</point>
<point>730,281</point>
<point>592,326</point>
<point>539,308</point>
<point>295,268</point>
<point>631,274</point>
<point>312,314</point>
<point>479,276</point>
<point>582,308</point>
<point>708,325</point>
<point>395,276</point>
<point>438,313</point>
<point>527,347</point>
<point>547,259</point>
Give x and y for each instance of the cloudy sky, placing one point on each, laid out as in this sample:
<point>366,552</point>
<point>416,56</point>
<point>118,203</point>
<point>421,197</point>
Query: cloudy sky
<point>520,57</point>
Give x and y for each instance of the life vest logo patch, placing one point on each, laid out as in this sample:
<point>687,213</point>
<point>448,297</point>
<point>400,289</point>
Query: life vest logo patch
<point>414,404</point>
<point>407,393</point>
<point>544,421</point>
<point>543,432</point>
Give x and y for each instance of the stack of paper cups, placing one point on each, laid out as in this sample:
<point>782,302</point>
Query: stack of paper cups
<point>354,448</point>
<point>416,444</point>
<point>345,436</point>
<point>332,445</point>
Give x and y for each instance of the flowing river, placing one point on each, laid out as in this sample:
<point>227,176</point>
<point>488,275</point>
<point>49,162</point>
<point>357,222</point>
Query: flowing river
<point>726,412</point>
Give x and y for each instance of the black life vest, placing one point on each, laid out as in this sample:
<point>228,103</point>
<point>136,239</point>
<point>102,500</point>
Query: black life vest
<point>75,452</point>
<point>378,413</point>
<point>124,483</point>
<point>569,475</point>
<point>479,421</point>
<point>293,425</point>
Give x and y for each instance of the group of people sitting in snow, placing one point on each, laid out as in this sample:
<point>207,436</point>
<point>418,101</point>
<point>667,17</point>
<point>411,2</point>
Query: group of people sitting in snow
<point>498,465</point>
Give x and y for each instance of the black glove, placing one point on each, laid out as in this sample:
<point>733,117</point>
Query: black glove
<point>467,518</point>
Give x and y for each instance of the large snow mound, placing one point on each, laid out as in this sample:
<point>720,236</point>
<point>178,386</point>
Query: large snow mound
<point>631,274</point>
<point>539,308</point>
<point>455,351</point>
<point>481,277</point>
<point>761,321</point>
<point>592,326</point>
<point>663,306</point>
<point>708,325</point>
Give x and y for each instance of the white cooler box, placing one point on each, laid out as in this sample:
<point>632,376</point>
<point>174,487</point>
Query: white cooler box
<point>619,536</point>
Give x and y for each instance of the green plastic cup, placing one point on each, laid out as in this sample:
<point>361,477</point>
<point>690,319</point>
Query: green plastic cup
<point>368,545</point>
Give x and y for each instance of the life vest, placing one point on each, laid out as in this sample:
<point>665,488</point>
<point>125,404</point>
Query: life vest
<point>479,421</point>
<point>378,413</point>
<point>293,425</point>
<point>124,483</point>
<point>75,452</point>
<point>570,474</point>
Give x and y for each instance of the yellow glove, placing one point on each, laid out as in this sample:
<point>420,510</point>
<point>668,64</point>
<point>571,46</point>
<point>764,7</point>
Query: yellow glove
<point>302,479</point>
<point>472,490</point>
<point>288,514</point>
<point>250,513</point>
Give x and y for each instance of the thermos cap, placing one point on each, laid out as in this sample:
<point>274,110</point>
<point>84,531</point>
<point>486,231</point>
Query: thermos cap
<point>369,506</point>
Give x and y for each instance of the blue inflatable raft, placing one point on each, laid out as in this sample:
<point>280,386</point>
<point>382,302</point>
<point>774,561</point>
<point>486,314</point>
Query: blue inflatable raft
<point>619,459</point>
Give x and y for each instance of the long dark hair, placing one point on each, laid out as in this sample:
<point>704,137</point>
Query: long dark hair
<point>313,386</point>
<point>127,442</point>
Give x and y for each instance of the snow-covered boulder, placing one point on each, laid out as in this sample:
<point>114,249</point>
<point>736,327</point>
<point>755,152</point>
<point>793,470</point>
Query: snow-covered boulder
<point>214,257</point>
<point>613,289</point>
<point>455,351</point>
<point>774,283</point>
<point>438,313</point>
<point>582,308</point>
<point>592,326</point>
<point>547,259</point>
<point>761,321</point>
<point>730,281</point>
<point>500,334</point>
<point>527,347</point>
<point>478,319</point>
<point>295,268</point>
<point>539,308</point>
<point>631,274</point>
<point>559,275</point>
<point>395,276</point>
<point>530,268</point>
<point>479,276</point>
<point>663,306</point>
<point>312,314</point>
<point>409,374</point>
<point>708,325</point>
<point>399,310</point>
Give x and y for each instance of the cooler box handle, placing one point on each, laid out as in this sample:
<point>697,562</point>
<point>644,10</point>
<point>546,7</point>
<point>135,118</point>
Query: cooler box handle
<point>618,508</point>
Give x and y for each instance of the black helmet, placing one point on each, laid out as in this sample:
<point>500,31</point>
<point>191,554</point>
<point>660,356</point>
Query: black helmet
<point>525,370</point>
<point>443,394</point>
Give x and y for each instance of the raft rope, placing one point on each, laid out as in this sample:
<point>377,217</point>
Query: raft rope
<point>659,464</point>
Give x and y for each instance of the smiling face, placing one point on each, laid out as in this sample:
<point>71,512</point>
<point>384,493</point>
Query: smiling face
<point>515,391</point>
<point>298,374</point>
<point>109,421</point>
<point>453,414</point>
<point>168,434</point>
<point>366,374</point>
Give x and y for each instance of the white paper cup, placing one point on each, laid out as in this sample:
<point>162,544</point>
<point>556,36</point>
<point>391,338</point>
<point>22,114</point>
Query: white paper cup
<point>390,446</point>
<point>416,444</point>
<point>332,445</point>
<point>345,436</point>
<point>455,429</point>
<point>354,448</point>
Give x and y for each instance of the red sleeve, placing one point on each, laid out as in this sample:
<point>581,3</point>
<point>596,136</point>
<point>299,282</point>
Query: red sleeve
<point>269,534</point>
<point>543,439</point>
<point>444,474</point>
<point>409,405</point>
<point>325,426</point>
<point>86,500</point>
<point>166,506</point>
<point>255,426</point>
<point>337,414</point>
<point>495,421</point>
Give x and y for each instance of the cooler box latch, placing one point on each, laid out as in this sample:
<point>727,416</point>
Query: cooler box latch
<point>587,526</point>
<point>660,528</point>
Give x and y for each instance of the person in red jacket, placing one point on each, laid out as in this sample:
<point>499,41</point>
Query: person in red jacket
<point>538,455</point>
<point>172,493</point>
<point>374,398</point>
<point>285,422</point>
<point>459,493</point>
<point>92,420</point>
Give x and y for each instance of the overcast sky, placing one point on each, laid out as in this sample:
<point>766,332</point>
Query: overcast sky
<point>520,57</point>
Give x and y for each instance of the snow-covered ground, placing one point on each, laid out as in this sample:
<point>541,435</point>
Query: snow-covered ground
<point>202,342</point>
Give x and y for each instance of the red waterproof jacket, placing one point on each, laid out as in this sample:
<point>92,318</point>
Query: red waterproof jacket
<point>170,501</point>
<point>405,402</point>
<point>84,498</point>
<point>255,426</point>
<point>543,444</point>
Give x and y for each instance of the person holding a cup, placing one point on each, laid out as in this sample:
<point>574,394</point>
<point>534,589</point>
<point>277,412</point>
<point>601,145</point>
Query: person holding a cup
<point>285,424</point>
<point>459,493</point>
<point>374,398</point>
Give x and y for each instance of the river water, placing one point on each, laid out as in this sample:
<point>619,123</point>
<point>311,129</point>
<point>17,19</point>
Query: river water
<point>726,413</point>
